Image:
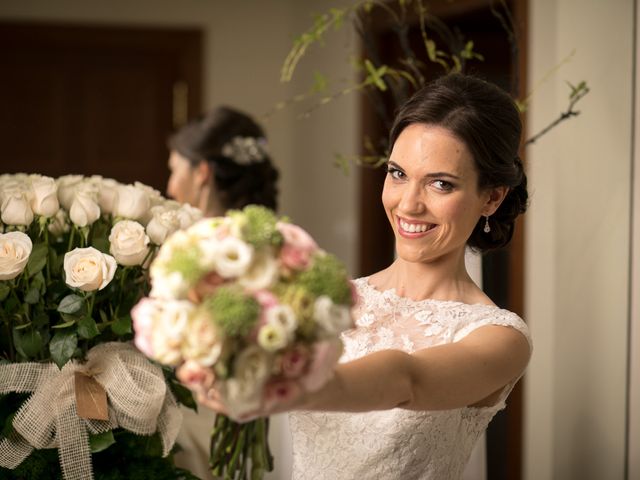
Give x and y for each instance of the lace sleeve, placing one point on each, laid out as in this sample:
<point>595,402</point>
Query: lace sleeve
<point>495,316</point>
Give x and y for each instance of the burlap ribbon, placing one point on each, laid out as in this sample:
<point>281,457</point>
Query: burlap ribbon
<point>139,401</point>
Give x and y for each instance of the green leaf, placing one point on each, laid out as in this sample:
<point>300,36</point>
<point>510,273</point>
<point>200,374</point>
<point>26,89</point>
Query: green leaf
<point>37,259</point>
<point>33,295</point>
<point>183,395</point>
<point>87,328</point>
<point>122,325</point>
<point>28,343</point>
<point>62,346</point>
<point>101,244</point>
<point>101,441</point>
<point>70,304</point>
<point>4,291</point>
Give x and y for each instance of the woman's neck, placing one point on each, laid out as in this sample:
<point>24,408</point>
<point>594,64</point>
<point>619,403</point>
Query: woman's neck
<point>441,279</point>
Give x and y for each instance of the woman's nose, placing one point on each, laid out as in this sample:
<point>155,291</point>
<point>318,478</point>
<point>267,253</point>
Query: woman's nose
<point>412,201</point>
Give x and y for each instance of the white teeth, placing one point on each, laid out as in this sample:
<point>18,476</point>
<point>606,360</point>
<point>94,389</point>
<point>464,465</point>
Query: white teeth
<point>413,227</point>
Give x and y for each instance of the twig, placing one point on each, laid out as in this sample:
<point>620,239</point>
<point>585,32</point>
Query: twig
<point>570,112</point>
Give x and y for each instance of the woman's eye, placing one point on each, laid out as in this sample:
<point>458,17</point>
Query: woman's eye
<point>442,185</point>
<point>395,173</point>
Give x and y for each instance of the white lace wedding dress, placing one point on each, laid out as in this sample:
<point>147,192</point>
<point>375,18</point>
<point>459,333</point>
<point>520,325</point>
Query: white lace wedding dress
<point>398,444</point>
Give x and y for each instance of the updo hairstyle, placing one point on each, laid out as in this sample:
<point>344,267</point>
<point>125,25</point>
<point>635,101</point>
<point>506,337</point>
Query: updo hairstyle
<point>239,180</point>
<point>486,119</point>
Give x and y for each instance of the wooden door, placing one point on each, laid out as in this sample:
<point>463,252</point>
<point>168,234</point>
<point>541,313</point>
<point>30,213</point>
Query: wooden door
<point>95,99</point>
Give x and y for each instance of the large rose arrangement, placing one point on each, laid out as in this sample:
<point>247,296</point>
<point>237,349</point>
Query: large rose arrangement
<point>248,308</point>
<point>74,257</point>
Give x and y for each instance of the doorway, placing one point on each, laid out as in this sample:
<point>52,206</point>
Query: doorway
<point>95,99</point>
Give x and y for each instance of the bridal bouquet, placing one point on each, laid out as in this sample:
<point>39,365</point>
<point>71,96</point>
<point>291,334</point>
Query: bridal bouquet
<point>74,256</point>
<point>247,305</point>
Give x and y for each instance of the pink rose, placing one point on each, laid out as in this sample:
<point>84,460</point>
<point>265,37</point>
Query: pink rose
<point>293,362</point>
<point>324,357</point>
<point>280,391</point>
<point>142,315</point>
<point>298,246</point>
<point>195,376</point>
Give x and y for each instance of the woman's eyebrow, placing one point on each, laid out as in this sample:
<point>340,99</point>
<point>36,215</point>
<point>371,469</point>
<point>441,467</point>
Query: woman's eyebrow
<point>452,176</point>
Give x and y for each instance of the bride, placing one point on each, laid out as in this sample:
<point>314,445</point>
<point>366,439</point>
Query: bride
<point>432,359</point>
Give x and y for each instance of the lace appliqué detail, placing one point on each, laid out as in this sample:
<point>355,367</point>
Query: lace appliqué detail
<point>398,444</point>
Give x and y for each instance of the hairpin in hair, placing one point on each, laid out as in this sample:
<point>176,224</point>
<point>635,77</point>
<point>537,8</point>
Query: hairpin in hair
<point>246,150</point>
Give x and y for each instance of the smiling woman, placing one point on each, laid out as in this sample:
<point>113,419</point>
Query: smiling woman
<point>432,359</point>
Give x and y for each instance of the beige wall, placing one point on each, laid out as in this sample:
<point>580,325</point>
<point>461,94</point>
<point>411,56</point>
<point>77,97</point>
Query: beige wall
<point>577,237</point>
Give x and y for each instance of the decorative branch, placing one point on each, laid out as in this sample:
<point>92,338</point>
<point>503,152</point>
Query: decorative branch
<point>577,93</point>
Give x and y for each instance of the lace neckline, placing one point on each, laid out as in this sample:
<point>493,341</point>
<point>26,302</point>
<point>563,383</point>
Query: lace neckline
<point>392,294</point>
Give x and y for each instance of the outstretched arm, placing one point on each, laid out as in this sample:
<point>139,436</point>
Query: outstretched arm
<point>465,373</point>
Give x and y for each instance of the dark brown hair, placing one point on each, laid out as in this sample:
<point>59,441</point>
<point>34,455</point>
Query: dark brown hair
<point>486,119</point>
<point>236,184</point>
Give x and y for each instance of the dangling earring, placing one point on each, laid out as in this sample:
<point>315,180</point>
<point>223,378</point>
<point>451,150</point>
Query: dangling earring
<point>487,227</point>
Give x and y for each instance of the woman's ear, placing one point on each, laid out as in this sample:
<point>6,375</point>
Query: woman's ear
<point>495,198</point>
<point>203,172</point>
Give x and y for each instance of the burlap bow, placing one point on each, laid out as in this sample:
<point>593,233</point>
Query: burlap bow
<point>139,401</point>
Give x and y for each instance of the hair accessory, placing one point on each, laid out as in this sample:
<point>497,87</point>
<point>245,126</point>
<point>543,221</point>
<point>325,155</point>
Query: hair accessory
<point>487,227</point>
<point>246,150</point>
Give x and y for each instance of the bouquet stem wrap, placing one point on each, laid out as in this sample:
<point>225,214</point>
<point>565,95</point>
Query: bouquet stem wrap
<point>139,401</point>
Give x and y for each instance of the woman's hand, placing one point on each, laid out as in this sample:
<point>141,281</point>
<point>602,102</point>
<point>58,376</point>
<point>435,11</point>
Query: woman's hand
<point>278,396</point>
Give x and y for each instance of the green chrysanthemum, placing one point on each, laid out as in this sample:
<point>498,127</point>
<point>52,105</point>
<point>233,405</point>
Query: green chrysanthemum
<point>327,276</point>
<point>301,302</point>
<point>258,225</point>
<point>186,263</point>
<point>233,311</point>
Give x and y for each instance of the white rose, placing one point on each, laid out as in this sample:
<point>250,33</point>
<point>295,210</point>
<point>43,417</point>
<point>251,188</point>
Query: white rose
<point>132,203</point>
<point>203,342</point>
<point>84,207</point>
<point>272,337</point>
<point>88,269</point>
<point>60,223</point>
<point>170,324</point>
<point>13,184</point>
<point>243,392</point>
<point>107,194</point>
<point>162,224</point>
<point>168,287</point>
<point>233,257</point>
<point>331,317</point>
<point>67,185</point>
<point>262,273</point>
<point>16,209</point>
<point>188,215</point>
<point>129,243</point>
<point>15,248</point>
<point>44,196</point>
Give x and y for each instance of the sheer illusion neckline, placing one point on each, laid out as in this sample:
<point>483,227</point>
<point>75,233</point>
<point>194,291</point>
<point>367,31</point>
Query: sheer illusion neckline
<point>392,294</point>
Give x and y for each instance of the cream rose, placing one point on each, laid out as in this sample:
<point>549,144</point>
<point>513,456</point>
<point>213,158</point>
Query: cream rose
<point>44,196</point>
<point>188,215</point>
<point>67,185</point>
<point>203,341</point>
<point>162,224</point>
<point>243,392</point>
<point>107,194</point>
<point>88,269</point>
<point>16,209</point>
<point>15,248</point>
<point>132,203</point>
<point>60,224</point>
<point>129,243</point>
<point>333,318</point>
<point>84,207</point>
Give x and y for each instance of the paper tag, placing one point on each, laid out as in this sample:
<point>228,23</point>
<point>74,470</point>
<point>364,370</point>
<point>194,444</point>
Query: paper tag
<point>91,399</point>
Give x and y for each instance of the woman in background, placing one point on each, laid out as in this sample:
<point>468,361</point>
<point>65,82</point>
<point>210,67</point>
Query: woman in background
<point>217,162</point>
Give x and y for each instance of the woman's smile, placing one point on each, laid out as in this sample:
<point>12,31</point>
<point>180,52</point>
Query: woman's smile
<point>414,228</point>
